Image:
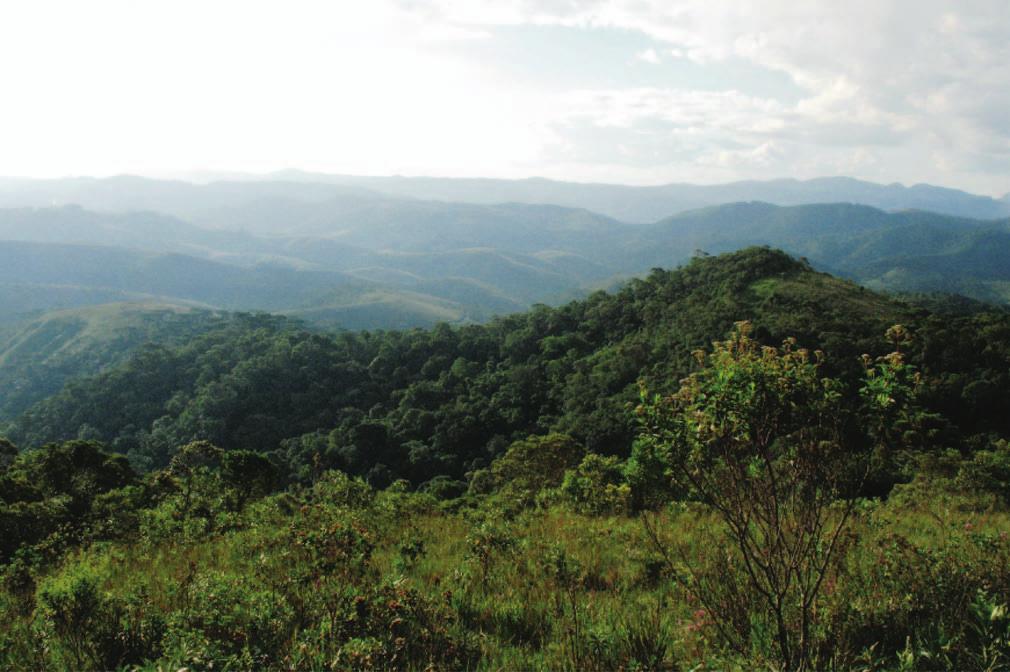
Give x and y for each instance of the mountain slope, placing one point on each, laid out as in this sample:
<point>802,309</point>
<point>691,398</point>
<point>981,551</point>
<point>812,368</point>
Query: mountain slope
<point>169,276</point>
<point>37,359</point>
<point>404,263</point>
<point>126,193</point>
<point>519,255</point>
<point>901,251</point>
<point>423,403</point>
<point>148,230</point>
<point>36,277</point>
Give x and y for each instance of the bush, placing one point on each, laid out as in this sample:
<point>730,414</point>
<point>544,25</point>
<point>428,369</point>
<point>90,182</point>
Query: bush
<point>532,465</point>
<point>336,488</point>
<point>988,471</point>
<point>938,607</point>
<point>444,487</point>
<point>759,435</point>
<point>230,621</point>
<point>385,627</point>
<point>89,629</point>
<point>597,486</point>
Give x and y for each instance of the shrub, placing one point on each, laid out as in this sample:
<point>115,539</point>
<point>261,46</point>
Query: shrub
<point>532,465</point>
<point>90,629</point>
<point>759,435</point>
<point>988,471</point>
<point>935,604</point>
<point>385,627</point>
<point>231,621</point>
<point>597,486</point>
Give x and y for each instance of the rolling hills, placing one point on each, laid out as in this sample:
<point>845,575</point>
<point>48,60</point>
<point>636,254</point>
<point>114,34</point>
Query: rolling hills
<point>907,251</point>
<point>645,204</point>
<point>395,263</point>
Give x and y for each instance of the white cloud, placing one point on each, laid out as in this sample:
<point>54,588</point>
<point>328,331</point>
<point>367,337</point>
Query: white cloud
<point>928,74</point>
<point>649,55</point>
<point>764,155</point>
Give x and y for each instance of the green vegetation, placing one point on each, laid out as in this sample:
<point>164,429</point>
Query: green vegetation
<point>422,404</point>
<point>636,481</point>
<point>908,251</point>
<point>442,403</point>
<point>38,358</point>
<point>779,455</point>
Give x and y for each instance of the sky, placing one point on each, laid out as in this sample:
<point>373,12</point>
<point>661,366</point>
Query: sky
<point>624,91</point>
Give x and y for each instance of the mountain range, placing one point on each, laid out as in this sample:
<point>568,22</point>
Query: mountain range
<point>350,257</point>
<point>636,204</point>
<point>648,203</point>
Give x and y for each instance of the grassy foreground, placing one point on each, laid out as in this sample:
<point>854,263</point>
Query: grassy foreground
<point>341,577</point>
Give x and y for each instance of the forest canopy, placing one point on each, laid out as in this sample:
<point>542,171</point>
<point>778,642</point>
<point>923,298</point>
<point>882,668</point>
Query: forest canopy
<point>442,403</point>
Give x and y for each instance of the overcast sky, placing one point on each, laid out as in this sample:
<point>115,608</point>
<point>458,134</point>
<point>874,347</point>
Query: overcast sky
<point>630,91</point>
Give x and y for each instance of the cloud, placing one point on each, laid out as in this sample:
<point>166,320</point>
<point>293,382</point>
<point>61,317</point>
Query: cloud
<point>649,55</point>
<point>909,90</point>
<point>927,75</point>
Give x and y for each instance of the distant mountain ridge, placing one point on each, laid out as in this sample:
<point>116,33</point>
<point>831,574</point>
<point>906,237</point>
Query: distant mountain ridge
<point>643,204</point>
<point>637,204</point>
<point>907,251</point>
<point>187,200</point>
<point>403,263</point>
<point>394,252</point>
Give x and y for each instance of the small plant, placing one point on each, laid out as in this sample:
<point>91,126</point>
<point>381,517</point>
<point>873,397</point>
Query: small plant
<point>597,486</point>
<point>646,639</point>
<point>565,575</point>
<point>488,542</point>
<point>989,634</point>
<point>234,619</point>
<point>409,552</point>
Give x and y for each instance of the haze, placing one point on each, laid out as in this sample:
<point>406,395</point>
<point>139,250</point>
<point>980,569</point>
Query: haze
<point>614,91</point>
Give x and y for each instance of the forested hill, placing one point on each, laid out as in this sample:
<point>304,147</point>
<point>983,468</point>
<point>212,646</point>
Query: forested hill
<point>37,359</point>
<point>439,403</point>
<point>911,250</point>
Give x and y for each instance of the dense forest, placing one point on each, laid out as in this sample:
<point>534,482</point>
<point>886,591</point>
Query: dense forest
<point>38,358</point>
<point>742,463</point>
<point>441,403</point>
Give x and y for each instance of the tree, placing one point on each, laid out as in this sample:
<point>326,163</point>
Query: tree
<point>760,437</point>
<point>77,470</point>
<point>529,466</point>
<point>250,475</point>
<point>55,489</point>
<point>8,451</point>
<point>203,472</point>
